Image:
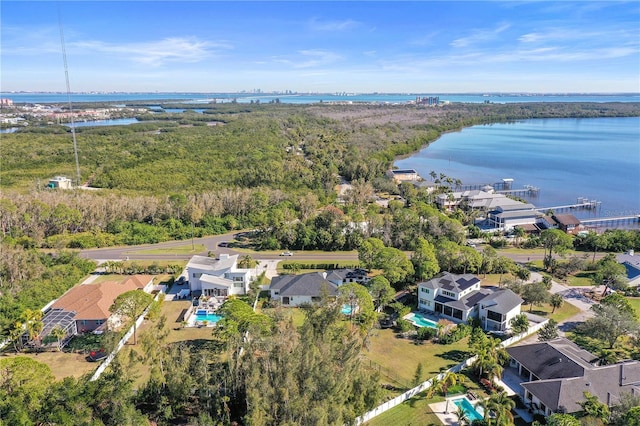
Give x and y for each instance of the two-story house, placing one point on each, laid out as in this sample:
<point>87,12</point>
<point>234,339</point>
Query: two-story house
<point>218,277</point>
<point>460,297</point>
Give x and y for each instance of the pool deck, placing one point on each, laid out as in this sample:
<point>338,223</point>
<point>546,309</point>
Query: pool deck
<point>449,418</point>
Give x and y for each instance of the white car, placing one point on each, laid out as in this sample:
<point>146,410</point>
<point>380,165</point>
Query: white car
<point>286,253</point>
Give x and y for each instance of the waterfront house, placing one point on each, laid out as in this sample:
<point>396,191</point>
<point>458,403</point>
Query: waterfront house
<point>296,290</point>
<point>460,297</point>
<point>568,223</point>
<point>219,277</point>
<point>508,216</point>
<point>554,376</point>
<point>631,263</point>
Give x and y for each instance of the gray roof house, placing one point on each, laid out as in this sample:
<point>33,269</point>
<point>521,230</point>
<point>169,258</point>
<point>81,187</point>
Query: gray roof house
<point>555,375</point>
<point>460,297</point>
<point>345,276</point>
<point>631,263</point>
<point>295,290</point>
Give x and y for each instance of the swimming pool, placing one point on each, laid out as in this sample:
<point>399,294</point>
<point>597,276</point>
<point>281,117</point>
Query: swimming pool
<point>200,315</point>
<point>419,320</point>
<point>468,408</point>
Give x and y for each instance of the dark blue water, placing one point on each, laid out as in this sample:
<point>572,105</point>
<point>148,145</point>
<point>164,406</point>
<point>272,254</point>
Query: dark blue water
<point>306,98</point>
<point>597,158</point>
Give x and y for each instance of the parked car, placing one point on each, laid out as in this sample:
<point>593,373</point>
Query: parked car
<point>98,355</point>
<point>223,244</point>
<point>286,253</point>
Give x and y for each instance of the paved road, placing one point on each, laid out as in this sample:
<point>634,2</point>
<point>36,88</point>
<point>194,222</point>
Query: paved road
<point>210,243</point>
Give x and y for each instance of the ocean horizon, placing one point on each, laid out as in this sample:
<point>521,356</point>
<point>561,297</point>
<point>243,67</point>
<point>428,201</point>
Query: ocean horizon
<point>307,98</point>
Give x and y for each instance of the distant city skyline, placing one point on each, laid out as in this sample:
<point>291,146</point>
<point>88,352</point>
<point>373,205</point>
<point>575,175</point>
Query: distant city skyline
<point>323,47</point>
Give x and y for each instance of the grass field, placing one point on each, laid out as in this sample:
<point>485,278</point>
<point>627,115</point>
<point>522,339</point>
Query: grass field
<point>567,310</point>
<point>581,279</point>
<point>62,364</point>
<point>415,411</point>
<point>398,358</point>
<point>635,302</point>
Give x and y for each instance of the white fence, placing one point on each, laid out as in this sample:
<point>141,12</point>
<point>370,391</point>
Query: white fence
<point>386,406</point>
<point>121,343</point>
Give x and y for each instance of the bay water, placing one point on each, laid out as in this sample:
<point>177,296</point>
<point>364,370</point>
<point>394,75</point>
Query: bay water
<point>595,158</point>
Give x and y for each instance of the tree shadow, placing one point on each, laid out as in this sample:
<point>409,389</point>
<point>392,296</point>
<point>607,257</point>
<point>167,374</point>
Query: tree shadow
<point>455,355</point>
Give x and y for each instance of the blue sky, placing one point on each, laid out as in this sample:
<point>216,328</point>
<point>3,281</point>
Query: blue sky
<point>211,46</point>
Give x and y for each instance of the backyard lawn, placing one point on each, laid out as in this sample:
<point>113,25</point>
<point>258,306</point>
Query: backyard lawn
<point>635,302</point>
<point>415,411</point>
<point>62,364</point>
<point>397,359</point>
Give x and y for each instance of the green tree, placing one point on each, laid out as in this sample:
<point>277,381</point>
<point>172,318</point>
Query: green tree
<point>358,297</point>
<point>59,333</point>
<point>381,291</point>
<point>611,274</point>
<point>594,408</point>
<point>33,324</point>
<point>501,405</point>
<point>369,253</point>
<point>131,305</point>
<point>560,419</point>
<point>424,260</point>
<point>247,262</point>
<point>554,241</point>
<point>613,317</point>
<point>23,383</point>
<point>534,294</point>
<point>443,384</point>
<point>556,301</point>
<point>549,331</point>
<point>519,323</point>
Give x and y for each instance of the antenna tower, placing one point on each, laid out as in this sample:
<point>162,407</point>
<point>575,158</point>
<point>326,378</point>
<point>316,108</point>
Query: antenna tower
<point>73,124</point>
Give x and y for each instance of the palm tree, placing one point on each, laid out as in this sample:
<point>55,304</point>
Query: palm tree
<point>33,323</point>
<point>443,384</point>
<point>59,333</point>
<point>501,405</point>
<point>556,301</point>
<point>491,356</point>
<point>463,419</point>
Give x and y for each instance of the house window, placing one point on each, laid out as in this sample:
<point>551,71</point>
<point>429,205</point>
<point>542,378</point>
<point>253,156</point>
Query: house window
<point>494,316</point>
<point>197,274</point>
<point>238,279</point>
<point>424,290</point>
<point>83,322</point>
<point>100,322</point>
<point>425,302</point>
<point>448,294</point>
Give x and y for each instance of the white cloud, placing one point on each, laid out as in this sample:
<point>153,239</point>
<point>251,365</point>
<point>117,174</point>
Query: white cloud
<point>347,24</point>
<point>479,36</point>
<point>156,53</point>
<point>316,58</point>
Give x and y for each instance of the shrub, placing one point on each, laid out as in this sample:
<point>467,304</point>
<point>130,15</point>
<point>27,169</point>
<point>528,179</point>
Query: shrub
<point>404,325</point>
<point>456,334</point>
<point>426,333</point>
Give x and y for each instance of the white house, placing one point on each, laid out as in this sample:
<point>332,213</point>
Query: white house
<point>345,276</point>
<point>460,297</point>
<point>510,215</point>
<point>296,290</point>
<point>218,277</point>
<point>60,182</point>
